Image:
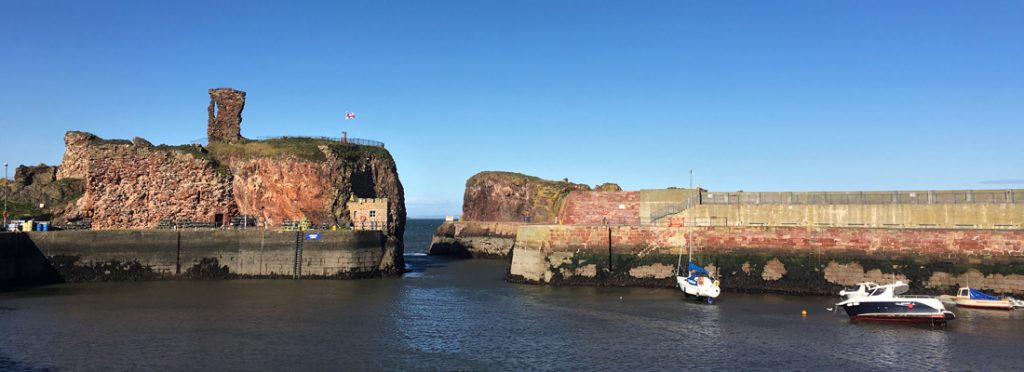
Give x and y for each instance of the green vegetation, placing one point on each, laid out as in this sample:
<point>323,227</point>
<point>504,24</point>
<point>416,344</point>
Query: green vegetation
<point>25,211</point>
<point>96,140</point>
<point>194,150</point>
<point>71,189</point>
<point>299,147</point>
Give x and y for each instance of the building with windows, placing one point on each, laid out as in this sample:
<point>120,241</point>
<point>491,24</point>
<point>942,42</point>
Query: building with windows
<point>368,213</point>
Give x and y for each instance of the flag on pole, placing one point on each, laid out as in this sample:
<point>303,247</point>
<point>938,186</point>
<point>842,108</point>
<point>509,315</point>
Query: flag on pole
<point>350,115</point>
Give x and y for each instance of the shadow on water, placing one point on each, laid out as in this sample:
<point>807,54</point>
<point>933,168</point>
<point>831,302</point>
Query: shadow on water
<point>28,265</point>
<point>418,263</point>
<point>6,364</point>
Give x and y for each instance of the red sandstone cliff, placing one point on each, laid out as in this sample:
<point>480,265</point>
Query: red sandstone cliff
<point>514,197</point>
<point>135,184</point>
<point>287,186</point>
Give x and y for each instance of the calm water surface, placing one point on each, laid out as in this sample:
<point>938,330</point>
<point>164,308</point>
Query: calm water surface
<point>460,314</point>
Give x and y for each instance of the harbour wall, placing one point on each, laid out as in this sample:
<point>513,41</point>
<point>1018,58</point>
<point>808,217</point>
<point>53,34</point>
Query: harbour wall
<point>474,239</point>
<point>959,216</point>
<point>798,260</point>
<point>113,255</point>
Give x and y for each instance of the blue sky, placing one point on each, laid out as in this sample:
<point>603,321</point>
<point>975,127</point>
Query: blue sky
<point>752,95</point>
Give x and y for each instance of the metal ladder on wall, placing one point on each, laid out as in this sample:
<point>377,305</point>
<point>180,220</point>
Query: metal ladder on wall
<point>298,255</point>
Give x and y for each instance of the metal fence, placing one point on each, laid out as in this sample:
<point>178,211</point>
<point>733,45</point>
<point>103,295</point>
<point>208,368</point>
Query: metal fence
<point>673,208</point>
<point>352,140</point>
<point>866,197</point>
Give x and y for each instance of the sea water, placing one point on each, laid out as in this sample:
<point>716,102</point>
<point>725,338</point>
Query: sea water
<point>450,314</point>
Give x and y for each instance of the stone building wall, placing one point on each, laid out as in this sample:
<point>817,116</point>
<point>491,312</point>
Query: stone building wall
<point>369,213</point>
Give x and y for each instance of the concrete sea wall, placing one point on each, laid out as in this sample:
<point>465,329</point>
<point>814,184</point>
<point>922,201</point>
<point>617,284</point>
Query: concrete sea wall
<point>77,256</point>
<point>803,260</point>
<point>962,216</point>
<point>474,239</point>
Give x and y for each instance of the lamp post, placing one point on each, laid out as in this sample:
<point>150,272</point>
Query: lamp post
<point>7,190</point>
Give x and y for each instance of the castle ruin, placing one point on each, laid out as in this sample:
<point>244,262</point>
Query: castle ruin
<point>225,115</point>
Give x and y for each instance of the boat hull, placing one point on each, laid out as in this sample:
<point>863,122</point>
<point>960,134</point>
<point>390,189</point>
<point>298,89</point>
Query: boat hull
<point>984,304</point>
<point>897,311</point>
<point>705,288</point>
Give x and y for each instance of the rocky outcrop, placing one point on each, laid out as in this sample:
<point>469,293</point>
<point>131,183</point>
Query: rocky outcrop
<point>225,115</point>
<point>474,239</point>
<point>131,185</point>
<point>37,193</point>
<point>514,197</point>
<point>608,187</point>
<point>287,186</point>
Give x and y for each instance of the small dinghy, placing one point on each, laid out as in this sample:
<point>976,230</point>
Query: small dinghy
<point>887,303</point>
<point>970,297</point>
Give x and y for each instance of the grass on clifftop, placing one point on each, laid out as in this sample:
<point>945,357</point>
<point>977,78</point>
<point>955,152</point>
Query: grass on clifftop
<point>300,147</point>
<point>507,177</point>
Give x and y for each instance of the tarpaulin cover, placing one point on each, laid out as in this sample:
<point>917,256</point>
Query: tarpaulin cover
<point>698,269</point>
<point>979,295</point>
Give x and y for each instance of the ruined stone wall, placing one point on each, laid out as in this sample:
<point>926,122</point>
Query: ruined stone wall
<point>78,256</point>
<point>778,259</point>
<point>474,239</point>
<point>225,115</point>
<point>135,185</point>
<point>597,207</point>
<point>75,162</point>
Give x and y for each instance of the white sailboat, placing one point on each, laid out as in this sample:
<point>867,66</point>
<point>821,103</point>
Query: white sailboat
<point>697,282</point>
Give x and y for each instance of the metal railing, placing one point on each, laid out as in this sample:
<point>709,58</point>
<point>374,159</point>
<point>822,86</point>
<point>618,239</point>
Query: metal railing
<point>675,208</point>
<point>352,140</point>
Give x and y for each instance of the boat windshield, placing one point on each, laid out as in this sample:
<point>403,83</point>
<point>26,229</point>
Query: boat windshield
<point>878,291</point>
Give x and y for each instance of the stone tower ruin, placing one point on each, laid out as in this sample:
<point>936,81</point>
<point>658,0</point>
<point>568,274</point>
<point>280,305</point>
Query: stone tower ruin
<point>225,115</point>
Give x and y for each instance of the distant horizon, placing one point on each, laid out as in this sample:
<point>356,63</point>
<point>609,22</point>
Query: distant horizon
<point>788,96</point>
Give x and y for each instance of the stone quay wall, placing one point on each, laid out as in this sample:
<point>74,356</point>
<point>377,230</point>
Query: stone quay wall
<point>601,207</point>
<point>948,215</point>
<point>474,239</point>
<point>799,260</point>
<point>113,255</point>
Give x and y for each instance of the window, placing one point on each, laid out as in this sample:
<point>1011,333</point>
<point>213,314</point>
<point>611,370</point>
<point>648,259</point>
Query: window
<point>373,214</point>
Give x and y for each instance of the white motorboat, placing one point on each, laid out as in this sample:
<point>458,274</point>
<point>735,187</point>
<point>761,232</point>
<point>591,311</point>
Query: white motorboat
<point>887,303</point>
<point>970,297</point>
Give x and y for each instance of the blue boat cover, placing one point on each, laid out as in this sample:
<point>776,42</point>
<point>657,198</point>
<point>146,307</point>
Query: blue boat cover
<point>699,270</point>
<point>979,295</point>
